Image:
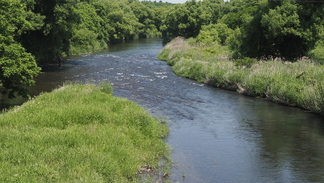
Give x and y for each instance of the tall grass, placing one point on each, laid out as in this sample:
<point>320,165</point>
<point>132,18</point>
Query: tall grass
<point>79,133</point>
<point>298,84</point>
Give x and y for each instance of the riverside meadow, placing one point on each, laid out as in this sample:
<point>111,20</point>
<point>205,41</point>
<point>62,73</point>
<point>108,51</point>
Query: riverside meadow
<point>80,133</point>
<point>298,84</point>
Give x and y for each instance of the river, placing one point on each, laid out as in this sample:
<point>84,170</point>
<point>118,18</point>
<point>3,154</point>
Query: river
<point>215,135</point>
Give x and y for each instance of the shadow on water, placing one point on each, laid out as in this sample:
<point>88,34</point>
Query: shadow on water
<point>216,135</point>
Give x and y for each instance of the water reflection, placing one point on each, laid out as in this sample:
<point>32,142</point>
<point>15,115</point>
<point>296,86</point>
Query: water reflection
<point>290,141</point>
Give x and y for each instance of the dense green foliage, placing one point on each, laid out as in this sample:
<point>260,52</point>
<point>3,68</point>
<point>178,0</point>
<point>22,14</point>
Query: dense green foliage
<point>73,27</point>
<point>299,83</point>
<point>40,31</point>
<point>79,133</point>
<point>44,31</point>
<point>17,67</point>
<point>254,28</point>
<point>240,45</point>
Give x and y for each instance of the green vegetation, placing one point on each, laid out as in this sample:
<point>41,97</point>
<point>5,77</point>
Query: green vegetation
<point>256,28</point>
<point>38,31</point>
<point>79,133</point>
<point>298,84</point>
<point>271,49</point>
<point>17,66</point>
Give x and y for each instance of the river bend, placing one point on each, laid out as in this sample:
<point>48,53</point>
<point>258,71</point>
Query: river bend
<point>216,135</point>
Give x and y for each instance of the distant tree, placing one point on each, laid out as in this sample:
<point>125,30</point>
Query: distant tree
<point>146,18</point>
<point>286,29</point>
<point>187,19</point>
<point>118,20</point>
<point>87,35</point>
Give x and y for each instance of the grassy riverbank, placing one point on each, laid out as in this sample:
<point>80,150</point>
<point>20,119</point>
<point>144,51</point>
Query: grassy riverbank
<point>79,133</point>
<point>299,84</point>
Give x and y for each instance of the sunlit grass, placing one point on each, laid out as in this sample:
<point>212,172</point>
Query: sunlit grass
<point>298,83</point>
<point>79,133</point>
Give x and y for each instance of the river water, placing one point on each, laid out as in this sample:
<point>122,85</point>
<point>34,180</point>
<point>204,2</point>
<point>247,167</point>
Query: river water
<point>215,135</point>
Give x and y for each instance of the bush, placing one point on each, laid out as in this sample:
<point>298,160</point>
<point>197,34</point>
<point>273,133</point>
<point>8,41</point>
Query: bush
<point>214,33</point>
<point>208,35</point>
<point>318,52</point>
<point>245,62</point>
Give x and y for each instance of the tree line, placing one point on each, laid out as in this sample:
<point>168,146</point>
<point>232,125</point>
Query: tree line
<point>252,28</point>
<point>34,32</point>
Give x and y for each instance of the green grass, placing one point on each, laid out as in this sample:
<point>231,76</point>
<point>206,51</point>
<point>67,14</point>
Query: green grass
<point>79,133</point>
<point>299,84</point>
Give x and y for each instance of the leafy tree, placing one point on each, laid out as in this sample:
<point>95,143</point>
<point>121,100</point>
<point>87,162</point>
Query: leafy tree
<point>145,17</point>
<point>160,4</point>
<point>312,22</point>
<point>279,29</point>
<point>53,40</point>
<point>119,22</point>
<point>283,28</point>
<point>208,34</point>
<point>216,8</point>
<point>43,30</point>
<point>234,42</point>
<point>224,32</point>
<point>159,10</point>
<point>171,23</point>
<point>17,67</point>
<point>186,19</point>
<point>239,13</point>
<point>87,34</point>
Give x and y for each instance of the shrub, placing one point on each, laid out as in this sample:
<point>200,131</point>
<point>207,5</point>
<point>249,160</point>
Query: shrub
<point>245,62</point>
<point>318,52</point>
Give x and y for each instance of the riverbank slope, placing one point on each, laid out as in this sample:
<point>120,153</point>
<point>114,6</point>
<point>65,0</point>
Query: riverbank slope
<point>79,133</point>
<point>299,84</point>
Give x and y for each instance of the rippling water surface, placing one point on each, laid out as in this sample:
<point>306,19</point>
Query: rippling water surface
<point>216,135</point>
